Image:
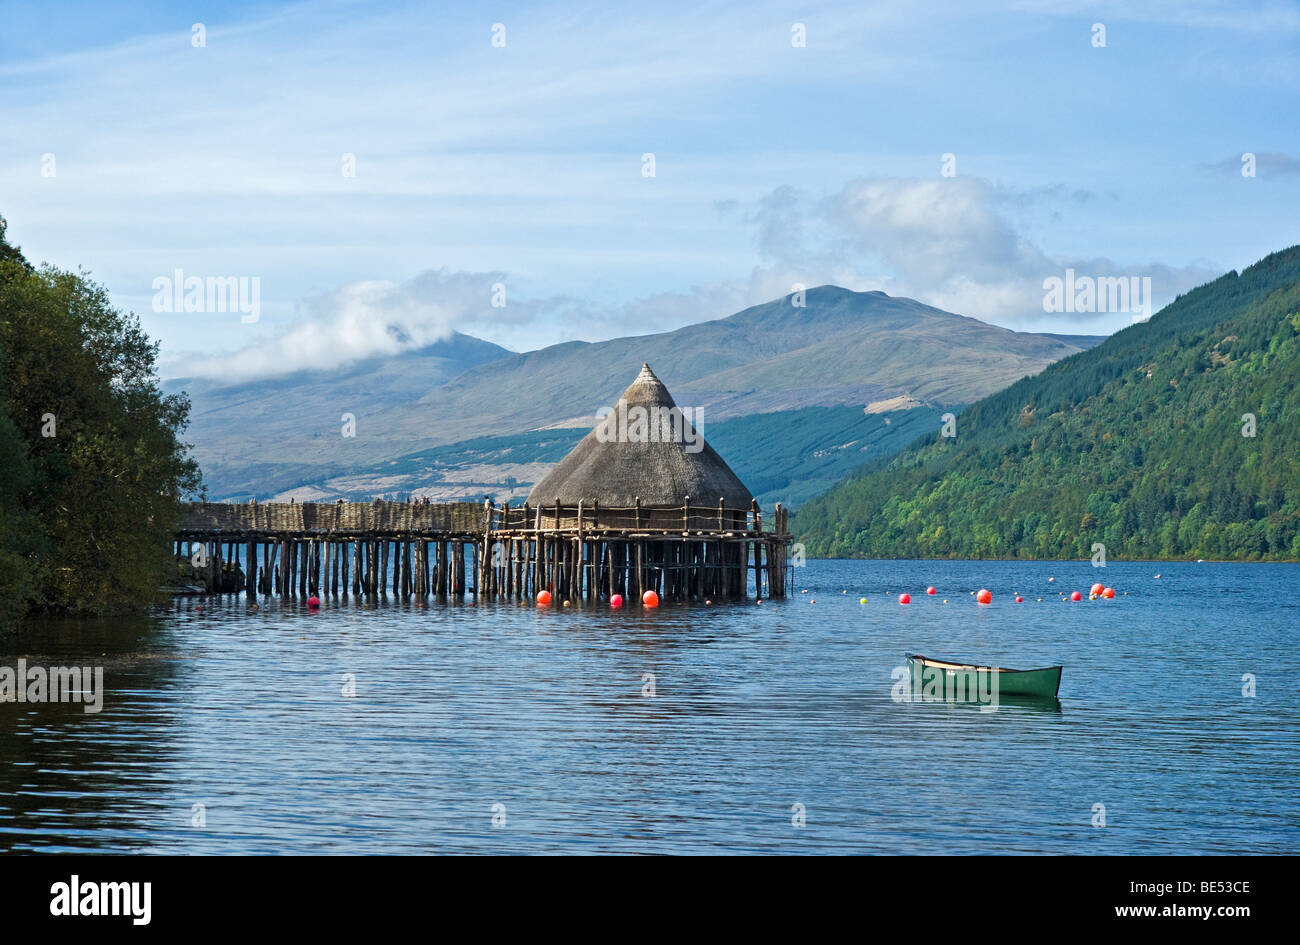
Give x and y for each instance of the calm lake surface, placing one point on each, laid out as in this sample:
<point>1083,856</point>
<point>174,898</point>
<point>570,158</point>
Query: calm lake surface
<point>458,708</point>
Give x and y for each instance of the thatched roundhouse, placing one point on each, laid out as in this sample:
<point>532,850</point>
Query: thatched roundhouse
<point>646,449</point>
<point>643,503</point>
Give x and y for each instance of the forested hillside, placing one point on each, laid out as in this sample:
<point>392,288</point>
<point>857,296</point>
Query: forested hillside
<point>1142,443</point>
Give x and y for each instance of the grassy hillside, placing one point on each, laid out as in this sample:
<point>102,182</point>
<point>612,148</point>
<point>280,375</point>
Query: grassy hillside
<point>1137,443</point>
<point>788,456</point>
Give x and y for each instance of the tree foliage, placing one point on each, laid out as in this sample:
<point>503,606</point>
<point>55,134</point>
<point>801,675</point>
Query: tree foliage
<point>1139,443</point>
<point>93,466</point>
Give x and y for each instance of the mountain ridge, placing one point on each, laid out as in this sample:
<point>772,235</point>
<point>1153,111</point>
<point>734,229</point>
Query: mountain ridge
<point>841,348</point>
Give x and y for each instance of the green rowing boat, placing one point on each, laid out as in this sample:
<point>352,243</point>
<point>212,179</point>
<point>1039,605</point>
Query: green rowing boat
<point>948,679</point>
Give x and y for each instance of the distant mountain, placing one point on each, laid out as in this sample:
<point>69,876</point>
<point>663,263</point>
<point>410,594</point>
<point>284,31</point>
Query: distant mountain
<point>370,384</point>
<point>1177,437</point>
<point>245,434</point>
<point>425,421</point>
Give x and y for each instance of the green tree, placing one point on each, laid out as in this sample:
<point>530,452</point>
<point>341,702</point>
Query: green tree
<point>92,450</point>
<point>19,532</point>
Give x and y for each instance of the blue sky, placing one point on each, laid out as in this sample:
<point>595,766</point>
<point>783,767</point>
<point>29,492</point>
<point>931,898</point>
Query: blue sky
<point>522,164</point>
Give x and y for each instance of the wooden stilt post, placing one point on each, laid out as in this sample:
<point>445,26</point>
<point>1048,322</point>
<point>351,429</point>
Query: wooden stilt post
<point>396,578</point>
<point>595,554</point>
<point>640,588</point>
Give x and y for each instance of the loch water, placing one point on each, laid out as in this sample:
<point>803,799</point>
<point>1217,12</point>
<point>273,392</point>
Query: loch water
<point>426,727</point>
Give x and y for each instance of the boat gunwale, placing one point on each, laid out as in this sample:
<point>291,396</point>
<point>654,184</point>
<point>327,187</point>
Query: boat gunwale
<point>945,664</point>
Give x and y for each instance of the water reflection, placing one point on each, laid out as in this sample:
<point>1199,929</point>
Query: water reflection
<point>64,773</point>
<point>458,707</point>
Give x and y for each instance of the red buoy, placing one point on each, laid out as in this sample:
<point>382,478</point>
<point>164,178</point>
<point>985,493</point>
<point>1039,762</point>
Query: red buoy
<point>544,598</point>
<point>1108,592</point>
<point>313,603</point>
<point>650,599</point>
<point>984,597</point>
<point>1096,590</point>
<point>1020,600</point>
<point>931,591</point>
<point>616,600</point>
<point>1076,596</point>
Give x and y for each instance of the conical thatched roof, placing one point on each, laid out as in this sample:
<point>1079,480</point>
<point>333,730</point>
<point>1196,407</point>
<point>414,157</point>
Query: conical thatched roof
<point>619,462</point>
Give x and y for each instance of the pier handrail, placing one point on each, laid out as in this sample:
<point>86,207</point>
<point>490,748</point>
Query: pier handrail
<point>382,517</point>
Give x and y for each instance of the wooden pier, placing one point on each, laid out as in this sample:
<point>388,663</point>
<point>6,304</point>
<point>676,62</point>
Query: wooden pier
<point>582,552</point>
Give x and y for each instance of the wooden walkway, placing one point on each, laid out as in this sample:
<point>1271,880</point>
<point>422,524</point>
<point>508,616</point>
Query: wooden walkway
<point>576,553</point>
<point>343,519</point>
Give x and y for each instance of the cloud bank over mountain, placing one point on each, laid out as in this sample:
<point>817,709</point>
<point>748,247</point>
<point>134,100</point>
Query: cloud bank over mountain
<point>954,243</point>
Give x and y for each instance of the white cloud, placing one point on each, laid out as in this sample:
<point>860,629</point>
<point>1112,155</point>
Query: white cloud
<point>226,160</point>
<point>950,242</point>
<point>357,320</point>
